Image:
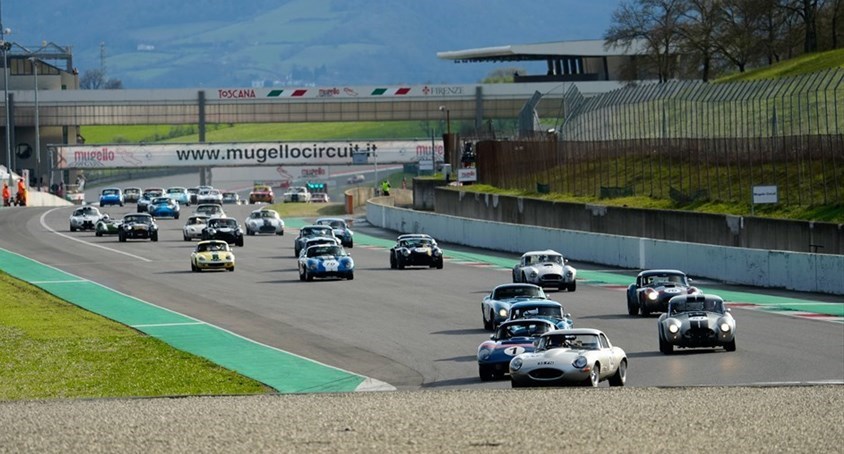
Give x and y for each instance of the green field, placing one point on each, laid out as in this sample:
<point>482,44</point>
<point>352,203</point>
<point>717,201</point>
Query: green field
<point>52,349</point>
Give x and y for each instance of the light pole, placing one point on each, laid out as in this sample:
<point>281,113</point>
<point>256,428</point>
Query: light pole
<point>37,175</point>
<point>4,47</point>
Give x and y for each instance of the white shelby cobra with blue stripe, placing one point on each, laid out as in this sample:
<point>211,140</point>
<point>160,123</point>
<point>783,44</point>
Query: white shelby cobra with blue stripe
<point>326,260</point>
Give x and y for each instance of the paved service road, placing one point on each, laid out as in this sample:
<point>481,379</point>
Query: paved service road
<point>415,328</point>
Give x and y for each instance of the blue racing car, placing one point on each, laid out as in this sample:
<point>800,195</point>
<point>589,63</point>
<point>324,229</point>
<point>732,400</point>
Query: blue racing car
<point>512,338</point>
<point>326,260</point>
<point>111,196</point>
<point>164,207</point>
<point>544,310</point>
<point>179,194</point>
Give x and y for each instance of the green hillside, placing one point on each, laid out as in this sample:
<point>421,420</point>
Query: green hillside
<point>803,64</point>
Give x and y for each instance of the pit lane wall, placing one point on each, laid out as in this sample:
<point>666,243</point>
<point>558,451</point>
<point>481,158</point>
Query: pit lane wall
<point>799,271</point>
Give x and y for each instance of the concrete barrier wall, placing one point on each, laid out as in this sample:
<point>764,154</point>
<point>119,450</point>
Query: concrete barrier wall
<point>763,268</point>
<point>716,229</point>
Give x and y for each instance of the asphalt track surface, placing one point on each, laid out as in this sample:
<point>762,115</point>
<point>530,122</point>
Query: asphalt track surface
<point>418,330</point>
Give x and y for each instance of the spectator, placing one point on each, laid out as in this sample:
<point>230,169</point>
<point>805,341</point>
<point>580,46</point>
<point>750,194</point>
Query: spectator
<point>7,195</point>
<point>21,196</point>
<point>385,187</point>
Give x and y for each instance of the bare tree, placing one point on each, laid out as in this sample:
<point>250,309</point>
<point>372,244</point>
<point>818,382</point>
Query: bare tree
<point>740,39</point>
<point>699,29</point>
<point>807,10</point>
<point>654,23</point>
<point>92,79</point>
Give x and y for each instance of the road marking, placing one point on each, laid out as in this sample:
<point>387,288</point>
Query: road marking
<point>50,229</point>
<point>66,281</point>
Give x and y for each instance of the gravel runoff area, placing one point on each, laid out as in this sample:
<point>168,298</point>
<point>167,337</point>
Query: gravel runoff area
<point>706,419</point>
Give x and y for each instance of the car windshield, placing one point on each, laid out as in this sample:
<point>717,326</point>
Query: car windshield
<point>416,242</point>
<point>137,219</point>
<point>110,192</point>
<point>86,211</point>
<point>662,279</point>
<point>131,191</point>
<point>175,191</point>
<point>197,220</point>
<point>526,329</point>
<point>696,306</point>
<point>268,214</point>
<point>579,341</point>
<point>316,231</point>
<point>222,223</point>
<point>208,209</point>
<point>160,200</point>
<point>229,195</point>
<point>518,292</point>
<point>544,258</point>
<point>210,247</point>
<point>537,311</point>
<point>327,250</point>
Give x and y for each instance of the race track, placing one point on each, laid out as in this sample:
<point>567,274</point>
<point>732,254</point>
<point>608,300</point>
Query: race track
<point>415,328</point>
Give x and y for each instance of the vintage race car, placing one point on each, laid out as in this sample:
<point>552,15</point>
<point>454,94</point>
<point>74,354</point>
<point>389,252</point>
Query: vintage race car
<point>319,240</point>
<point>341,230</point>
<point>297,194</point>
<point>108,225</point>
<point>212,255</point>
<point>570,357</point>
<point>212,210</point>
<point>320,197</point>
<point>416,251</point>
<point>111,196</point>
<point>231,198</point>
<point>326,260</point>
<point>146,198</point>
<point>209,196</point>
<point>131,195</point>
<point>261,193</point>
<point>310,231</point>
<point>225,229</point>
<point>549,310</point>
<point>546,269</point>
<point>193,228</point>
<point>164,207</point>
<point>495,307</point>
<point>192,193</point>
<point>84,218</point>
<point>179,194</point>
<point>139,225</point>
<point>510,339</point>
<point>696,321</point>
<point>654,288</point>
<point>264,221</point>
<point>356,179</point>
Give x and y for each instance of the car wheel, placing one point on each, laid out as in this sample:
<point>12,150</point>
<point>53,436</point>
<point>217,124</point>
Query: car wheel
<point>301,275</point>
<point>665,347</point>
<point>308,276</point>
<point>730,346</point>
<point>516,384</point>
<point>486,372</point>
<point>620,376</point>
<point>594,376</point>
<point>239,241</point>
<point>99,233</point>
<point>487,323</point>
<point>72,228</point>
<point>176,216</point>
<point>645,312</point>
<point>249,232</point>
<point>154,236</point>
<point>351,276</point>
<point>187,238</point>
<point>393,262</point>
<point>231,269</point>
<point>280,232</point>
<point>524,278</point>
<point>632,307</point>
<point>573,286</point>
<point>351,244</point>
<point>122,238</point>
<point>440,264</point>
<point>399,263</point>
<point>193,267</point>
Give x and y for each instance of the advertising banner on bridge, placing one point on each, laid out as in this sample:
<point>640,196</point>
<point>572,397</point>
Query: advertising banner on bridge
<point>245,154</point>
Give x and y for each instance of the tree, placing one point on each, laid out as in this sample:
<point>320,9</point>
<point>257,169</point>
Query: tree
<point>502,75</point>
<point>742,37</point>
<point>94,79</point>
<point>807,10</point>
<point>656,24</point>
<point>699,31</point>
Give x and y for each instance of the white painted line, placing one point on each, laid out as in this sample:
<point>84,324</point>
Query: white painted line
<point>44,224</point>
<point>69,281</point>
<point>157,325</point>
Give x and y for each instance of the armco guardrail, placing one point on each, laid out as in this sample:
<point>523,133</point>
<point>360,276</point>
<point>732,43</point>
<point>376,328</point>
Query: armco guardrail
<point>778,269</point>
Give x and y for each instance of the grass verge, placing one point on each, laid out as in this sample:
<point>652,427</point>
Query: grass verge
<point>52,349</point>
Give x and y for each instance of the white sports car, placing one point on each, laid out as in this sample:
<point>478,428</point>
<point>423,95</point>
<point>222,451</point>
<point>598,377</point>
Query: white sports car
<point>264,221</point>
<point>84,218</point>
<point>193,228</point>
<point>546,268</point>
<point>570,357</point>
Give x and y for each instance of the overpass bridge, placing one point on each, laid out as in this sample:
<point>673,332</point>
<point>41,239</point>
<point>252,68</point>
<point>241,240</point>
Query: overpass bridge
<point>58,114</point>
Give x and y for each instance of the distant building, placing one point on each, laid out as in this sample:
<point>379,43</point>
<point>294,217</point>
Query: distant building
<point>566,61</point>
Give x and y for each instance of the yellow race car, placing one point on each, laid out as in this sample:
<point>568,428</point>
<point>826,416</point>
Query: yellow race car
<point>212,255</point>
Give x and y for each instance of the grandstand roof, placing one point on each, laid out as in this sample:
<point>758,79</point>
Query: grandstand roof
<point>542,51</point>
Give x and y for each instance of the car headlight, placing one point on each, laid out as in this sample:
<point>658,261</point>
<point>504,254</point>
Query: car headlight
<point>312,264</point>
<point>579,362</point>
<point>673,329</point>
<point>483,354</point>
<point>516,364</point>
<point>502,312</point>
<point>437,252</point>
<point>652,295</point>
<point>533,274</point>
<point>725,327</point>
<point>201,258</point>
<point>405,252</point>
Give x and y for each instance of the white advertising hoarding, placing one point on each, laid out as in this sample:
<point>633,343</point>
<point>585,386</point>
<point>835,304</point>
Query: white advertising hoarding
<point>243,154</point>
<point>765,194</point>
<point>469,174</point>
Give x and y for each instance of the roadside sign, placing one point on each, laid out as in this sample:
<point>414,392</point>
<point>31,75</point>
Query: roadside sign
<point>765,194</point>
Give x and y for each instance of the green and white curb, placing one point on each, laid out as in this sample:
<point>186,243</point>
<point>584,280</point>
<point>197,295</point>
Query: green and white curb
<point>283,371</point>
